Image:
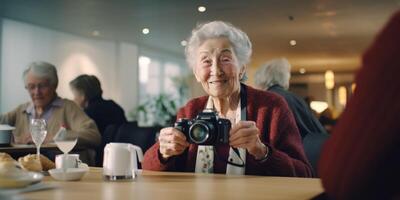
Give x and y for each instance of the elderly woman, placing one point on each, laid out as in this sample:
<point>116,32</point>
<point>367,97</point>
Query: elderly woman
<point>41,82</point>
<point>263,139</point>
<point>88,95</point>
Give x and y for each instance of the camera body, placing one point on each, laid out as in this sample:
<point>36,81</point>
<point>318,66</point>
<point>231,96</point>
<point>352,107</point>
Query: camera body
<point>206,129</point>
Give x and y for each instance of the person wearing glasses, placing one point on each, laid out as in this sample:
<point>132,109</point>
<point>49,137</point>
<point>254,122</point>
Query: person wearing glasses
<point>41,82</point>
<point>235,129</point>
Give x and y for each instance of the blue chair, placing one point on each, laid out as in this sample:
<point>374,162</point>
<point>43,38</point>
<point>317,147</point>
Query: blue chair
<point>313,143</point>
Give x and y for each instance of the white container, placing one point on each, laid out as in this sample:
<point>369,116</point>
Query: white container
<point>5,134</point>
<point>120,161</point>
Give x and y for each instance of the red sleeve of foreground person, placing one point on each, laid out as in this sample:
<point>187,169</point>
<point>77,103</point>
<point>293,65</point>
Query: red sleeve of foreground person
<point>361,160</point>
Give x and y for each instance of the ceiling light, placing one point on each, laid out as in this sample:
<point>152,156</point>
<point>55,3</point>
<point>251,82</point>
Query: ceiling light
<point>95,33</point>
<point>201,9</point>
<point>342,94</point>
<point>318,106</point>
<point>329,79</point>
<point>292,42</point>
<point>145,31</point>
<point>302,71</point>
<point>183,43</point>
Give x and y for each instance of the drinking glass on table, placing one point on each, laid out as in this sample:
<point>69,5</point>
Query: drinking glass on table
<point>64,141</point>
<point>38,132</point>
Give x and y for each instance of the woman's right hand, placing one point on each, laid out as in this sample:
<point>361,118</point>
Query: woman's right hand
<point>172,142</point>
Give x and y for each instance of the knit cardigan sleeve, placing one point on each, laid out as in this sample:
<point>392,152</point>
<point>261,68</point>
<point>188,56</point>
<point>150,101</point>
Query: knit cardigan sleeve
<point>78,123</point>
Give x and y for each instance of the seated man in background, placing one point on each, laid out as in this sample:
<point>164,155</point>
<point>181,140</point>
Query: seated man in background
<point>274,76</point>
<point>361,160</point>
<point>41,82</point>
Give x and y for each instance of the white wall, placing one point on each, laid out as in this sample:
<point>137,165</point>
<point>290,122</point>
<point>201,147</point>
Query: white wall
<point>115,64</point>
<point>1,32</point>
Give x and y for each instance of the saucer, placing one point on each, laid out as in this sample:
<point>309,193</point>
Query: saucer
<point>24,180</point>
<point>70,174</point>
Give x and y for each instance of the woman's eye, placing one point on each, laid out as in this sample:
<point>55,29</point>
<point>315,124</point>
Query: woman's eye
<point>207,61</point>
<point>226,59</point>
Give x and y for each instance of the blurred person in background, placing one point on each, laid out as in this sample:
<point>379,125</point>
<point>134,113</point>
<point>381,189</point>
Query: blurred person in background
<point>88,95</point>
<point>274,76</point>
<point>263,139</point>
<point>361,160</point>
<point>327,120</point>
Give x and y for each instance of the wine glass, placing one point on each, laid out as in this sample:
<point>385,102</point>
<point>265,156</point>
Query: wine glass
<point>64,141</point>
<point>38,133</point>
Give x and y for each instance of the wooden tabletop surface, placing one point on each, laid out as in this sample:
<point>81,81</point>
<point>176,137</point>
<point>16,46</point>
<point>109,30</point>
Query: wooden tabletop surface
<point>169,185</point>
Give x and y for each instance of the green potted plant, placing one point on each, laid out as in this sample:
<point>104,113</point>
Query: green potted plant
<point>157,110</point>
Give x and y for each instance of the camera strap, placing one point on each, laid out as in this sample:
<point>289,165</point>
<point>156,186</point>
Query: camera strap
<point>229,162</point>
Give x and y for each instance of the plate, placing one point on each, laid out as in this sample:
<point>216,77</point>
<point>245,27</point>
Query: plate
<point>70,174</point>
<point>28,178</point>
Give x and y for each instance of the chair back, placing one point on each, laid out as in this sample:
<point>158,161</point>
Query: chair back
<point>313,143</point>
<point>144,137</point>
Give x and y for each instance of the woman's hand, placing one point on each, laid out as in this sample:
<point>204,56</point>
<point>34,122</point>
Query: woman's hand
<point>245,134</point>
<point>172,142</point>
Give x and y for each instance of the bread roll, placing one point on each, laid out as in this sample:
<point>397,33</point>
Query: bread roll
<point>4,157</point>
<point>30,163</point>
<point>47,164</point>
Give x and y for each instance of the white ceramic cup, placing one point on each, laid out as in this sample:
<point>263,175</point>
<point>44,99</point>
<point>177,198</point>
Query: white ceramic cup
<point>65,161</point>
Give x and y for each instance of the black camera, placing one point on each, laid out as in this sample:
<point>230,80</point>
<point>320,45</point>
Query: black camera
<point>206,129</point>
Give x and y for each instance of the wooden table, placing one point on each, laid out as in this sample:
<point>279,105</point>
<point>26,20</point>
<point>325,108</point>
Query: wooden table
<point>168,185</point>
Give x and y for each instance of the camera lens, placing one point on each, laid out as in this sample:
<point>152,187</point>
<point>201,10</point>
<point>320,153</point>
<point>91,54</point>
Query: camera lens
<point>199,132</point>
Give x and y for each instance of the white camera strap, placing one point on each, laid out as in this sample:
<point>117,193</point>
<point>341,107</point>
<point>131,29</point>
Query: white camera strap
<point>237,156</point>
<point>239,159</point>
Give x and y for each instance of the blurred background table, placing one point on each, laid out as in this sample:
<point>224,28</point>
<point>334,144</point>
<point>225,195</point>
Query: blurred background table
<point>171,185</point>
<point>17,150</point>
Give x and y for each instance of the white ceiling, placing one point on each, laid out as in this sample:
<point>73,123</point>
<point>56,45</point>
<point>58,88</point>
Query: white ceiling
<point>330,34</point>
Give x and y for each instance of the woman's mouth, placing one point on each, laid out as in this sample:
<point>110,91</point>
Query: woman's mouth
<point>217,82</point>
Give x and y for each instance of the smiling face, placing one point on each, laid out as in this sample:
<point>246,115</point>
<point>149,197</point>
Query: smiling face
<point>40,90</point>
<point>217,68</point>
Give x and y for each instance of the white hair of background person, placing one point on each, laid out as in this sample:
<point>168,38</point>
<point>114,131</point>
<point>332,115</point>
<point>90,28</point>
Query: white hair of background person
<point>273,72</point>
<point>240,41</point>
<point>42,70</point>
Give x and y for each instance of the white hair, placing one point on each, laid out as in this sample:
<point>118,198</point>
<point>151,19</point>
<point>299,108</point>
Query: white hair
<point>240,41</point>
<point>274,72</point>
<point>42,70</point>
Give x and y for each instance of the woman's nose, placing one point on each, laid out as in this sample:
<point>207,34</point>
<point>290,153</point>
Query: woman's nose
<point>216,69</point>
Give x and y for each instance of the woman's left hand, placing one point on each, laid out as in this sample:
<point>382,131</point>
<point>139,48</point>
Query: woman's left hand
<point>245,134</point>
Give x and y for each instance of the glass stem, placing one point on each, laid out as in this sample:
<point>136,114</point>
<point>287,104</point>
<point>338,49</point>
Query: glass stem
<point>38,152</point>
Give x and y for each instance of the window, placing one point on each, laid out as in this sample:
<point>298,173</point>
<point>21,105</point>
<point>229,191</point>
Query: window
<point>157,76</point>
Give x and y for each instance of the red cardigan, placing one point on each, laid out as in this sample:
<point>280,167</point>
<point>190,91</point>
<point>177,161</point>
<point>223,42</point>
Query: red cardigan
<point>279,131</point>
<point>361,160</point>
